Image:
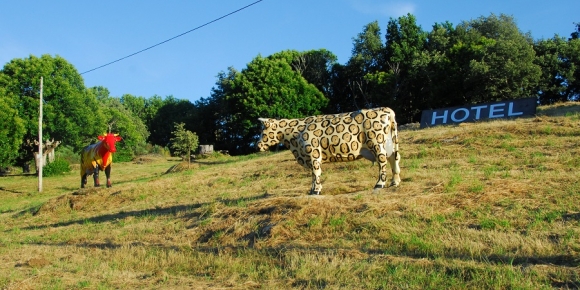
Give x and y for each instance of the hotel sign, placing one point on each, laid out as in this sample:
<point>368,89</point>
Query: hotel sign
<point>472,113</point>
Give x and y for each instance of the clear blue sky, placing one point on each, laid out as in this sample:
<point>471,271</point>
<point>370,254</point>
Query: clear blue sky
<point>89,34</point>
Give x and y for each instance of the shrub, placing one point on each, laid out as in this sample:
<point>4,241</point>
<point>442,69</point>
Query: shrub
<point>68,154</point>
<point>156,149</point>
<point>123,156</point>
<point>58,167</point>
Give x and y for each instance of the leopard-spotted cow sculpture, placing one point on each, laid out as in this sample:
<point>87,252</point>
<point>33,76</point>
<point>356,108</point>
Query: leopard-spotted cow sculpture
<point>371,134</point>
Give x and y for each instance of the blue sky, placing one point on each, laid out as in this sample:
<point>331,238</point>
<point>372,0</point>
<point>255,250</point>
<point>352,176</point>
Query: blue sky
<point>89,34</point>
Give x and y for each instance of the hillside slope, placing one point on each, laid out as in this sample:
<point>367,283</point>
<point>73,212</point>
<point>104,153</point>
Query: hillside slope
<point>481,205</point>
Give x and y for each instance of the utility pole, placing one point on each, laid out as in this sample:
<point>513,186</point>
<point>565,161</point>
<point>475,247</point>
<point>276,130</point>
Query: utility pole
<point>40,160</point>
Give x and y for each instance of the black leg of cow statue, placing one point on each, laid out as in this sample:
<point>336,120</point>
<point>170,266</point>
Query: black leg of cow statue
<point>96,176</point>
<point>108,174</point>
<point>83,181</point>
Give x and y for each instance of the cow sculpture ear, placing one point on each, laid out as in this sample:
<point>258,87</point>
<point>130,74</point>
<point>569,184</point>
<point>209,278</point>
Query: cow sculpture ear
<point>118,138</point>
<point>101,137</point>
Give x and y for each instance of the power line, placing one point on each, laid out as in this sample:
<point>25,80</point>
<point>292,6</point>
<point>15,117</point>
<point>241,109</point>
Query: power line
<point>160,43</point>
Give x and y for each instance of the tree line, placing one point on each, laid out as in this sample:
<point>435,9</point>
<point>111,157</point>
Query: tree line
<point>408,69</point>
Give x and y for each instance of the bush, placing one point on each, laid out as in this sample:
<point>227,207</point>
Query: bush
<point>123,156</point>
<point>68,154</point>
<point>58,167</point>
<point>156,149</point>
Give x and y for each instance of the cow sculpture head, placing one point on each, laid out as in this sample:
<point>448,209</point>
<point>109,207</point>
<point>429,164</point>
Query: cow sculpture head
<point>270,134</point>
<point>109,141</point>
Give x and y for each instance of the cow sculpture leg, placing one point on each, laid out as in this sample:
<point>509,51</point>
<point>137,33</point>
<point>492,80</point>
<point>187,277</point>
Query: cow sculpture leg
<point>394,162</point>
<point>96,176</point>
<point>83,180</point>
<point>108,174</point>
<point>316,172</point>
<point>382,180</point>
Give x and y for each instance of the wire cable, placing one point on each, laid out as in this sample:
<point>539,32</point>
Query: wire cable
<point>160,43</point>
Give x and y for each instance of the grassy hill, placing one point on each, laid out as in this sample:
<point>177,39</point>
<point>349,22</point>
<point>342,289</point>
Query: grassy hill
<point>481,205</point>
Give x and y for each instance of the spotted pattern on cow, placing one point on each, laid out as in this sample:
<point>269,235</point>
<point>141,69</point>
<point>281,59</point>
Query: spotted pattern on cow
<point>370,134</point>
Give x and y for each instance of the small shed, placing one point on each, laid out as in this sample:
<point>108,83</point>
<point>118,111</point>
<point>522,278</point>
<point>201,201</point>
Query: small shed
<point>205,149</point>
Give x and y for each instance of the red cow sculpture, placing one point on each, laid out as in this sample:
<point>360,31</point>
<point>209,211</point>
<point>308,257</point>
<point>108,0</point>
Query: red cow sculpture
<point>97,157</point>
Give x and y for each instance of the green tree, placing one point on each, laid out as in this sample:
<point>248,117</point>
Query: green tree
<point>123,122</point>
<point>557,71</point>
<point>497,61</point>
<point>184,141</point>
<point>572,57</point>
<point>367,74</point>
<point>576,33</point>
<point>313,65</point>
<point>137,106</point>
<point>443,85</point>
<point>212,118</point>
<point>171,111</point>
<point>383,74</point>
<point>12,130</point>
<point>406,59</point>
<point>144,108</point>
<point>268,87</point>
<point>69,113</point>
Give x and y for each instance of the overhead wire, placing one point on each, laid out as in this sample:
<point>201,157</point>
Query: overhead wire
<point>182,34</point>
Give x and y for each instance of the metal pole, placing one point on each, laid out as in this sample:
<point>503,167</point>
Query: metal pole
<point>40,162</point>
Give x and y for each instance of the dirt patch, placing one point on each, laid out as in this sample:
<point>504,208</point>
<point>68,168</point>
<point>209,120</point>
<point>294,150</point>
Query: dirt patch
<point>145,159</point>
<point>183,166</point>
<point>85,199</point>
<point>35,263</point>
<point>409,126</point>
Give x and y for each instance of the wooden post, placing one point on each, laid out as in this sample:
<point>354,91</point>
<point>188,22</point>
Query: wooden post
<point>40,165</point>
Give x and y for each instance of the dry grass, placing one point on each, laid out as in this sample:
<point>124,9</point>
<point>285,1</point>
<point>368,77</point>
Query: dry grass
<point>486,205</point>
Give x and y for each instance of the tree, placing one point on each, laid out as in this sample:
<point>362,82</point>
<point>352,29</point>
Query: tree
<point>141,107</point>
<point>406,59</point>
<point>212,117</point>
<point>136,105</point>
<point>573,61</point>
<point>171,111</point>
<point>366,69</point>
<point>70,114</point>
<point>184,141</point>
<point>355,84</point>
<point>12,130</point>
<point>557,71</point>
<point>576,33</point>
<point>123,122</point>
<point>383,74</point>
<point>315,67</point>
<point>496,60</point>
<point>268,87</point>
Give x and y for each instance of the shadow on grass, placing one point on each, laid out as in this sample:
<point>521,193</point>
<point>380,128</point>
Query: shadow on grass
<point>571,216</point>
<point>186,211</point>
<point>158,211</point>
<point>560,110</point>
<point>236,201</point>
<point>369,255</point>
<point>214,162</point>
<point>11,191</point>
<point>206,244</point>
